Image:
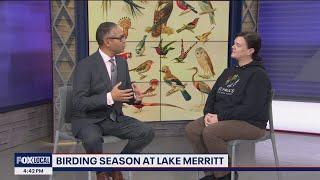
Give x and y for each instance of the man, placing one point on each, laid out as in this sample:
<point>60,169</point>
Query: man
<point>101,84</point>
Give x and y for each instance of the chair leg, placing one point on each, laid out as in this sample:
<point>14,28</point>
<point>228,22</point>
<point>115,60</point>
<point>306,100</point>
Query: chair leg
<point>51,177</point>
<point>276,159</point>
<point>73,150</point>
<point>56,140</point>
<point>89,175</point>
<point>233,161</point>
<point>55,149</point>
<point>130,175</point>
<point>198,175</point>
<point>275,153</point>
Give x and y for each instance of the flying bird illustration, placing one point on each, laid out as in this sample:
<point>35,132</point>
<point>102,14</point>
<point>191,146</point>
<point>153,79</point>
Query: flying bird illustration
<point>174,83</point>
<point>190,26</point>
<point>143,68</point>
<point>163,50</point>
<point>183,54</point>
<point>205,63</point>
<point>207,8</point>
<point>141,46</point>
<point>186,7</point>
<point>160,19</point>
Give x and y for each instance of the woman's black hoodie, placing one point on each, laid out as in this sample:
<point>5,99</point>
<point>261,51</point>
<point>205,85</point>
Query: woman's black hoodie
<point>241,93</point>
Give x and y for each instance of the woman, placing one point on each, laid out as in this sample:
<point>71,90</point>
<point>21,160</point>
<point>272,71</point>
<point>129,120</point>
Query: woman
<point>236,107</point>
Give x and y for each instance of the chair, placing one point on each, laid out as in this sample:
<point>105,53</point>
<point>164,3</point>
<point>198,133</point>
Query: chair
<point>64,125</point>
<point>269,135</point>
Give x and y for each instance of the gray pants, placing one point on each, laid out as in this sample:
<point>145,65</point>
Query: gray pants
<point>214,138</point>
<point>138,134</point>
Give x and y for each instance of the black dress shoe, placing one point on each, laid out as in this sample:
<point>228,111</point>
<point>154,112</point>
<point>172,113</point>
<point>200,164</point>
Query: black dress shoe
<point>208,177</point>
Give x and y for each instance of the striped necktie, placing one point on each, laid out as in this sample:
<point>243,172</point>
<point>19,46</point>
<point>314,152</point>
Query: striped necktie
<point>113,114</point>
<point>113,72</point>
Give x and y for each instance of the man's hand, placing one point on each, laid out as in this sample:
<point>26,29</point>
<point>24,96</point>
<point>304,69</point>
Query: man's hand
<point>210,119</point>
<point>137,92</point>
<point>121,95</point>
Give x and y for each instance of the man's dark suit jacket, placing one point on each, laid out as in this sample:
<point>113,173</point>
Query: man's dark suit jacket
<point>91,83</point>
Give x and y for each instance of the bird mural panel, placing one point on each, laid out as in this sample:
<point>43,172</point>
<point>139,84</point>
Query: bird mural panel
<point>152,49</point>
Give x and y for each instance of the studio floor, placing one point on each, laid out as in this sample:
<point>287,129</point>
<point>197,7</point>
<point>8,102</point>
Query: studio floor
<point>294,150</point>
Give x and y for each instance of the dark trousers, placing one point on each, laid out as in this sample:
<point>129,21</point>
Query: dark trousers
<point>138,134</point>
<point>213,139</point>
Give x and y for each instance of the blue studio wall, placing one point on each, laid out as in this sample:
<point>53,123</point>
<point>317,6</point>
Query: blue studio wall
<point>290,32</point>
<point>25,54</point>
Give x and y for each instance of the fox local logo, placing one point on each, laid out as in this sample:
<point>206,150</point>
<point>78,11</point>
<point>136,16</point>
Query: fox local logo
<point>32,159</point>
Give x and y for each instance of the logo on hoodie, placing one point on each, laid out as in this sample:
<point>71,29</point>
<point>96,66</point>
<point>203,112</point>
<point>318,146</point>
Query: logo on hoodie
<point>231,82</point>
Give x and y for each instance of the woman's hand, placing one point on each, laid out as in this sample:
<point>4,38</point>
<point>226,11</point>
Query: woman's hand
<point>210,119</point>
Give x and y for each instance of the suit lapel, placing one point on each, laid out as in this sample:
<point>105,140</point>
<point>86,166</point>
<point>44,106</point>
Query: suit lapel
<point>102,69</point>
<point>119,67</point>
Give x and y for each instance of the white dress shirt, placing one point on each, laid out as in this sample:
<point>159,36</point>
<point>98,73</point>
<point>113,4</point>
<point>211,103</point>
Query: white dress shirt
<point>106,60</point>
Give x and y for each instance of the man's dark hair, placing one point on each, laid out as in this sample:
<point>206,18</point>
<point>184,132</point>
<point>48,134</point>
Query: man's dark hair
<point>103,29</point>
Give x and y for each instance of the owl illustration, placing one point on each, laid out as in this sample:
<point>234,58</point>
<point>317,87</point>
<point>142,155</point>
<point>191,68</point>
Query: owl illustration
<point>205,63</point>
